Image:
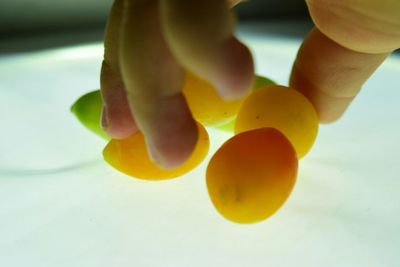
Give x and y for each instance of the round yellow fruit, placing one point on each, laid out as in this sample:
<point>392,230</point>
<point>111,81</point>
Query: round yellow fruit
<point>130,156</point>
<point>259,83</point>
<point>206,105</point>
<point>284,109</point>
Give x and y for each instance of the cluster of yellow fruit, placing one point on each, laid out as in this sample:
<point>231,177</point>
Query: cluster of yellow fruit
<point>252,174</point>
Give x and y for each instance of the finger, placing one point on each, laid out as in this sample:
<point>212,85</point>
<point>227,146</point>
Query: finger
<point>154,81</point>
<point>365,26</point>
<point>117,120</point>
<point>199,34</point>
<point>330,75</point>
<point>233,3</point>
<point>353,39</point>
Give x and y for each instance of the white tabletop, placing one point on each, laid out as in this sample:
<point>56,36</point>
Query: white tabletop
<point>61,205</point>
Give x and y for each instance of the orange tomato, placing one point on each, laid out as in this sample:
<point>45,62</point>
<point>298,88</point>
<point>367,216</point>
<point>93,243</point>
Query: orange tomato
<point>251,175</point>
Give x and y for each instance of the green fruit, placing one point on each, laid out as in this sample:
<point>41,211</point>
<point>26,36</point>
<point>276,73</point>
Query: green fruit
<point>227,127</point>
<point>87,110</point>
<point>259,83</point>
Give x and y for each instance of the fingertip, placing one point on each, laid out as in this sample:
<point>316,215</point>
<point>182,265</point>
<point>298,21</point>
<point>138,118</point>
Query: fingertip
<point>117,125</point>
<point>170,153</point>
<point>235,73</point>
<point>329,119</point>
<point>200,37</point>
<point>173,134</point>
<point>331,75</point>
<point>329,107</point>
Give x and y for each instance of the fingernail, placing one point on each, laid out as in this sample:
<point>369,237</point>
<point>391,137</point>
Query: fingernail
<point>235,76</point>
<point>152,153</point>
<point>163,161</point>
<point>104,119</point>
<point>155,156</point>
<point>226,92</point>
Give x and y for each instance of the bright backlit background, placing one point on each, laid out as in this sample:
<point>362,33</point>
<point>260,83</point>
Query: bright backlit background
<point>61,205</point>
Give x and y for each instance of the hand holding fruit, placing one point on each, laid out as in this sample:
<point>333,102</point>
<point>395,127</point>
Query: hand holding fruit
<point>149,43</point>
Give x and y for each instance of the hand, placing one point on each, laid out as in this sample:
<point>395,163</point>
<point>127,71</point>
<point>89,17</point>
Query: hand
<point>149,42</point>
<point>350,40</point>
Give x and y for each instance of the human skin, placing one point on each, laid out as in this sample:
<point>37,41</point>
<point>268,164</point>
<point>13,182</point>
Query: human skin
<point>149,43</point>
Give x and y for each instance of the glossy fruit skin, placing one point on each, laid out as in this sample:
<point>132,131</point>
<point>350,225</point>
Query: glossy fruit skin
<point>251,175</point>
<point>130,156</point>
<point>259,83</point>
<point>87,110</point>
<point>206,105</point>
<point>284,109</point>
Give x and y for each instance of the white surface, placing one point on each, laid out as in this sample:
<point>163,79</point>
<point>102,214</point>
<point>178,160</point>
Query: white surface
<point>60,205</point>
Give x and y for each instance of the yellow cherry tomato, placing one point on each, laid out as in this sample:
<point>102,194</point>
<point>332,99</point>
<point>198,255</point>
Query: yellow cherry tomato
<point>251,175</point>
<point>259,83</point>
<point>284,109</point>
<point>130,156</point>
<point>206,105</point>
